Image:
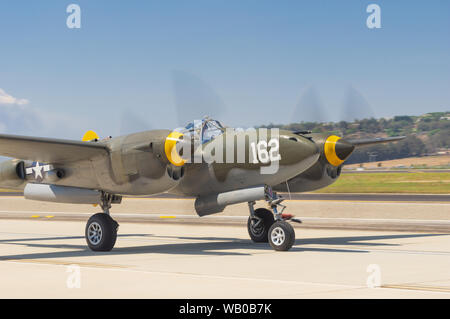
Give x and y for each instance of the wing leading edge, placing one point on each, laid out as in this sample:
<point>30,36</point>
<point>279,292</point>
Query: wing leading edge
<point>49,150</point>
<point>371,141</point>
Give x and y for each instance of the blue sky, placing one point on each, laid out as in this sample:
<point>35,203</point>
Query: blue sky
<point>255,59</point>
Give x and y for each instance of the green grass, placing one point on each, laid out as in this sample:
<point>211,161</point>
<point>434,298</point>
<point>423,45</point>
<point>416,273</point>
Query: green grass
<point>419,183</point>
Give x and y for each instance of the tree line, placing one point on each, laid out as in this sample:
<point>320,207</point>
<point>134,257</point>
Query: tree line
<point>425,134</point>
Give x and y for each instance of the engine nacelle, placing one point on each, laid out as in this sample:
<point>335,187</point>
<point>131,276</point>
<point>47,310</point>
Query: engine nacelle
<point>55,175</point>
<point>326,170</point>
<point>318,176</point>
<point>12,173</point>
<point>61,194</point>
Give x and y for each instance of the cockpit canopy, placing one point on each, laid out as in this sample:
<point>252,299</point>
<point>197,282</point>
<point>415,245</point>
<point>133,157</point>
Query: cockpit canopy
<point>205,129</point>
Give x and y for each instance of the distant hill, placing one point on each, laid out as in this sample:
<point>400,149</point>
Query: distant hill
<point>425,135</point>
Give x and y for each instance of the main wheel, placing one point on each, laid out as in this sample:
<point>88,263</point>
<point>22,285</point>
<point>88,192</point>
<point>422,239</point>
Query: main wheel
<point>101,232</point>
<point>258,228</point>
<point>281,236</point>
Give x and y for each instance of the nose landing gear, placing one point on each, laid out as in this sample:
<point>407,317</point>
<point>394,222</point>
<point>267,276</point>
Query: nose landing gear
<point>281,236</point>
<point>258,224</point>
<point>271,226</point>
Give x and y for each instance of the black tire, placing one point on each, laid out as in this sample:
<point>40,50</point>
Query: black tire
<point>281,236</point>
<point>101,232</point>
<point>259,234</point>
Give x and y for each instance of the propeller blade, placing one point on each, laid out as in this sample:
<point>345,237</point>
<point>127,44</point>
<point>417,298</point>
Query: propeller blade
<point>131,122</point>
<point>355,106</point>
<point>310,107</point>
<point>195,99</point>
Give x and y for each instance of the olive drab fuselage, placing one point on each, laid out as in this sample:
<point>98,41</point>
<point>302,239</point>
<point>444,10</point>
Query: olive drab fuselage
<point>201,159</point>
<point>137,164</point>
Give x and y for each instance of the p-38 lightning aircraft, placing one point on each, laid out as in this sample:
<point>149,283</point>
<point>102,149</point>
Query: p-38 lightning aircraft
<point>95,171</point>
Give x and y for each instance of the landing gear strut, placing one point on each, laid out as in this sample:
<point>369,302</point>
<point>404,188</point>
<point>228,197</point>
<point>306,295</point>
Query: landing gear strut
<point>271,226</point>
<point>101,229</point>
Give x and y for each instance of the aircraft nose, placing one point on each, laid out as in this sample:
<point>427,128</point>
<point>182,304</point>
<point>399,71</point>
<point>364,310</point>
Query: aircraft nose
<point>302,149</point>
<point>310,148</point>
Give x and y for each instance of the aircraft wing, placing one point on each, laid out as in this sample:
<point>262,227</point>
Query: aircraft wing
<point>49,150</point>
<point>371,141</point>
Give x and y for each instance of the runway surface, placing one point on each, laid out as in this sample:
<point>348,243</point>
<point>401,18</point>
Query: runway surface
<point>165,251</point>
<point>49,259</point>
<point>322,196</point>
<point>339,214</point>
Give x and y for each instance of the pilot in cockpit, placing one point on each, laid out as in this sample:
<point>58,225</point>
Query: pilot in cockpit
<point>207,129</point>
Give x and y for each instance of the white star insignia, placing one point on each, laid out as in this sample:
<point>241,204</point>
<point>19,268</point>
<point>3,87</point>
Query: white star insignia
<point>38,171</point>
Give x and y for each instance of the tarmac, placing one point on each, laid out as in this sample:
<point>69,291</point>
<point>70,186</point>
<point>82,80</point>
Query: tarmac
<point>344,249</point>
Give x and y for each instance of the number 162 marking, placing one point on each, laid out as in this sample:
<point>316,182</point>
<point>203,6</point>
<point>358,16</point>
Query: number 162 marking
<point>261,154</point>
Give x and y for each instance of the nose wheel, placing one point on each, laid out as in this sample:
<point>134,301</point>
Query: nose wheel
<point>281,236</point>
<point>271,226</point>
<point>258,225</point>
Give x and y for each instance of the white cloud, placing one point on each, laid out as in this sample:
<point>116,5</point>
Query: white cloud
<point>6,99</point>
<point>31,121</point>
<point>18,117</point>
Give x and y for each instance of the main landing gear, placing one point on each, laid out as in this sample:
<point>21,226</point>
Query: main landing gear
<point>264,225</point>
<point>101,229</point>
<point>271,226</point>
